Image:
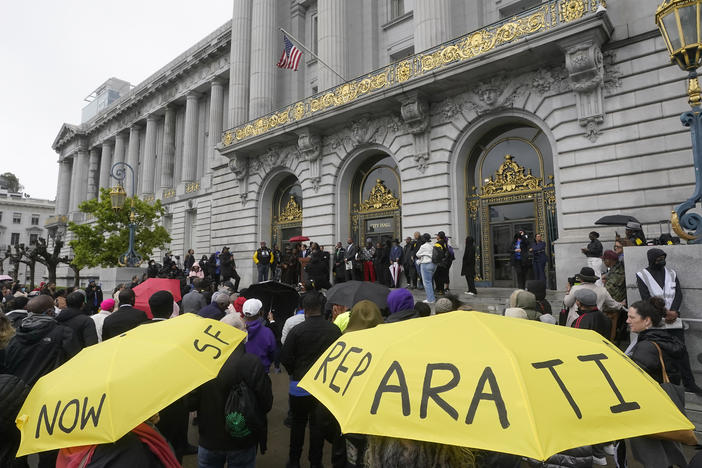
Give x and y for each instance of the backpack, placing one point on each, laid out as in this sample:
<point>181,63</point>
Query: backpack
<point>241,415</point>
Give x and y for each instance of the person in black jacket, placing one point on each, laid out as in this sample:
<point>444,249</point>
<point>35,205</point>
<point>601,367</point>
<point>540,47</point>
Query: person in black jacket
<point>125,318</point>
<point>304,344</point>
<point>590,318</point>
<point>352,264</point>
<point>216,446</point>
<point>12,395</point>
<point>84,332</point>
<point>339,264</point>
<point>93,297</point>
<point>40,344</point>
<point>468,266</point>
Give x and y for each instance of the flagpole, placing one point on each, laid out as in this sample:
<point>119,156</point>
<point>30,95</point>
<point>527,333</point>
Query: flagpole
<point>312,53</point>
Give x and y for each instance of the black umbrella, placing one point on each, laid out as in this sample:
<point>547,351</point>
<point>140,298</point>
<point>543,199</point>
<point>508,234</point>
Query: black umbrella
<point>282,299</point>
<point>616,220</point>
<point>349,293</point>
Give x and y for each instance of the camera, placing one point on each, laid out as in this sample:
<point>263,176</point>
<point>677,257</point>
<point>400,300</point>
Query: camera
<point>572,280</point>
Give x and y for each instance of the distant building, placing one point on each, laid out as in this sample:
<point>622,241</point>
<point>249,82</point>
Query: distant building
<point>22,221</point>
<point>101,98</point>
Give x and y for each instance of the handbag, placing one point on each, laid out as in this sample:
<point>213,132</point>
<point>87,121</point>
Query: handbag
<point>677,394</point>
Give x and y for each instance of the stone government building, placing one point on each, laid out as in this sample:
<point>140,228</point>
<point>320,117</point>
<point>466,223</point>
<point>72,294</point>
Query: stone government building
<point>475,117</point>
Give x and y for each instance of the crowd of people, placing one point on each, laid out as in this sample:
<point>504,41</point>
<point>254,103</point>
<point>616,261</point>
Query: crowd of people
<point>42,329</point>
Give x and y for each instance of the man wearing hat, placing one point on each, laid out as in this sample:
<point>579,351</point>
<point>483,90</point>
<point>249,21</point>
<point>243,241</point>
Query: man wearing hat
<point>593,252</point>
<point>657,280</point>
<point>589,317</point>
<point>261,341</point>
<point>586,280</point>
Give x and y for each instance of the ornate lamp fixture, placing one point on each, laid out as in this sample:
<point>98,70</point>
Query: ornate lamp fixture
<point>679,23</point>
<point>117,197</point>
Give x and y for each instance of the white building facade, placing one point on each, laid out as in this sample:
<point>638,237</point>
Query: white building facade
<point>477,117</point>
<point>22,221</point>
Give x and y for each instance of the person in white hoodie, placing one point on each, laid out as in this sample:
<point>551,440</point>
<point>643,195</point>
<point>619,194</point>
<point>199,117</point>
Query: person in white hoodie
<point>427,267</point>
<point>106,308</point>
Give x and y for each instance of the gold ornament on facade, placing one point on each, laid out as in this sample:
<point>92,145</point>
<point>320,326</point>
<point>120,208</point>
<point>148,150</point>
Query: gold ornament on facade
<point>404,71</point>
<point>227,140</point>
<point>547,16</point>
<point>510,178</point>
<point>572,10</point>
<point>380,198</point>
<point>192,187</point>
<point>169,193</point>
<point>291,212</point>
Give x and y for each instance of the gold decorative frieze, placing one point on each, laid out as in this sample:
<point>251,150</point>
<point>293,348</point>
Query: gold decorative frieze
<point>380,199</point>
<point>169,194</point>
<point>191,187</point>
<point>546,16</point>
<point>148,198</point>
<point>510,178</point>
<point>292,211</point>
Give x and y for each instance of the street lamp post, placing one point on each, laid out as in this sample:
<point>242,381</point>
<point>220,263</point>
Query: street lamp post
<point>117,199</point>
<point>679,24</point>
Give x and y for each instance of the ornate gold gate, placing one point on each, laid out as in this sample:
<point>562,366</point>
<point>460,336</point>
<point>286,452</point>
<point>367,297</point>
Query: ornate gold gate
<point>512,188</point>
<point>378,216</point>
<point>287,223</point>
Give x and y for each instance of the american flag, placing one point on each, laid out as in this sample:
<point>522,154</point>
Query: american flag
<point>291,55</point>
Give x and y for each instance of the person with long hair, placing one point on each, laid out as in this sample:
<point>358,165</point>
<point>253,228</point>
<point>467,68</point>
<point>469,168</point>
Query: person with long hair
<point>468,266</point>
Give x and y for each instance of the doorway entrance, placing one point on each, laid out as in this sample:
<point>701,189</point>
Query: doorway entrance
<point>506,221</point>
<point>376,207</point>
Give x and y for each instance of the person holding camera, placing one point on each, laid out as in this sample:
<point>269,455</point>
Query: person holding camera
<point>586,279</point>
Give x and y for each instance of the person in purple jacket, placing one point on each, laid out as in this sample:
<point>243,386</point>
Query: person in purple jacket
<point>261,341</point>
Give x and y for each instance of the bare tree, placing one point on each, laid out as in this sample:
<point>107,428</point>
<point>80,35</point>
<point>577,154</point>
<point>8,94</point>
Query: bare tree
<point>50,258</point>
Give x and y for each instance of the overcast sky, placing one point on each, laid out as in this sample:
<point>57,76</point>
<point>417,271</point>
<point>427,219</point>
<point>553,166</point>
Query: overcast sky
<point>54,53</point>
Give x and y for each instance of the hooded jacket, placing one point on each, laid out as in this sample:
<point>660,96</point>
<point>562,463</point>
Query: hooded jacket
<point>645,354</point>
<point>538,289</point>
<point>261,342</point>
<point>527,301</point>
<point>12,394</point>
<point>40,346</point>
<point>84,331</point>
<point>658,275</point>
<point>400,305</point>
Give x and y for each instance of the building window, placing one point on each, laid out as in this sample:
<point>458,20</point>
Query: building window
<point>35,220</point>
<point>516,7</point>
<point>33,239</point>
<point>315,35</point>
<point>397,8</point>
<point>14,238</point>
<point>16,218</point>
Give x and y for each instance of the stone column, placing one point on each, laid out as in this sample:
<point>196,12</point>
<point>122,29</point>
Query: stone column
<point>189,162</point>
<point>120,145</point>
<point>240,63</point>
<point>216,116</point>
<point>432,23</point>
<point>264,35</point>
<point>63,192</point>
<point>79,178</point>
<point>106,164</point>
<point>132,159</point>
<point>93,173</point>
<point>168,151</point>
<point>332,42</point>
<point>147,176</point>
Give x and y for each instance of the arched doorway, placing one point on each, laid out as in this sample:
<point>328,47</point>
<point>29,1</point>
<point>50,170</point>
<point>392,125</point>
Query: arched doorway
<point>375,200</point>
<point>510,188</point>
<point>287,212</point>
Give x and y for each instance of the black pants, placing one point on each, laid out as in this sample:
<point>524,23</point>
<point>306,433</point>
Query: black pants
<point>236,277</point>
<point>410,274</point>
<point>519,274</point>
<point>441,278</point>
<point>322,426</point>
<point>683,364</point>
<point>470,279</point>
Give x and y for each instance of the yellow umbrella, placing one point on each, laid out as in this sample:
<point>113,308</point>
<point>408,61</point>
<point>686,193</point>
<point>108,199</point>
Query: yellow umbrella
<point>489,382</point>
<point>108,389</point>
